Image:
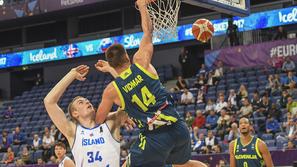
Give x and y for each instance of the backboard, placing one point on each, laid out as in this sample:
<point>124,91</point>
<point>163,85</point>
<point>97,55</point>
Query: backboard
<point>231,7</point>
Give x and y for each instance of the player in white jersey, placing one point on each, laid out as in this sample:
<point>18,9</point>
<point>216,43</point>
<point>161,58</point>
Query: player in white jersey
<point>92,145</point>
<point>63,160</point>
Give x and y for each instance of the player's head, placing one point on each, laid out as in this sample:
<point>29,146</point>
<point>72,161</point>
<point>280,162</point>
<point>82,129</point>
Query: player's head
<point>244,126</point>
<point>117,56</point>
<point>60,150</point>
<point>81,108</point>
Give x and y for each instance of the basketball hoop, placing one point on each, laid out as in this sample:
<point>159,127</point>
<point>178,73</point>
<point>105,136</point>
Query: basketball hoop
<point>164,15</point>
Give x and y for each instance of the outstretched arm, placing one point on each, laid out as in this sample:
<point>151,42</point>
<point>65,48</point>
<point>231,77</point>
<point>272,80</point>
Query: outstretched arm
<point>51,100</point>
<point>103,66</point>
<point>144,55</point>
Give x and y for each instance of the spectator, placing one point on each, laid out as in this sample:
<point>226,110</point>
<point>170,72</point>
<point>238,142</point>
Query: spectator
<point>200,97</point>
<point>234,132</point>
<point>232,97</point>
<point>53,160</point>
<point>187,97</point>
<point>224,117</point>
<point>202,71</point>
<point>222,129</point>
<point>288,65</point>
<point>292,106</point>
<point>211,120</point>
<point>275,112</point>
<point>199,120</point>
<point>36,144</point>
<point>281,33</point>
<point>256,101</point>
<point>291,129</point>
<point>47,145</point>
<point>19,162</point>
<point>40,162</point>
<point>220,103</point>
<point>209,106</point>
<point>246,110</point>
<point>218,73</point>
<point>195,135</point>
<point>26,156</point>
<point>54,132</point>
<point>9,113</point>
<point>200,82</point>
<point>265,105</point>
<point>230,109</point>
<point>276,87</point>
<point>292,90</point>
<point>8,157</point>
<point>5,141</point>
<point>291,145</point>
<point>232,32</point>
<point>283,101</point>
<point>217,149</point>
<point>181,84</point>
<point>288,79</point>
<point>210,79</point>
<point>124,154</point>
<point>272,126</point>
<point>184,60</point>
<point>18,136</point>
<point>189,119</point>
<point>222,163</point>
<point>242,93</point>
<point>276,62</point>
<point>210,140</point>
<point>199,144</point>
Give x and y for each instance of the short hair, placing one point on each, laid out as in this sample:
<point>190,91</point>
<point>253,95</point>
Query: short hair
<point>115,55</point>
<point>60,144</point>
<point>71,108</point>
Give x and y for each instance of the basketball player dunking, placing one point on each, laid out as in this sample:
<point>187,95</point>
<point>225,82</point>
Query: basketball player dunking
<point>164,136</point>
<point>248,151</point>
<point>92,145</point>
<point>63,160</point>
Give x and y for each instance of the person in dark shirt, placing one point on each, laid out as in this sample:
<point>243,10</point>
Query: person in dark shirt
<point>232,32</point>
<point>281,33</point>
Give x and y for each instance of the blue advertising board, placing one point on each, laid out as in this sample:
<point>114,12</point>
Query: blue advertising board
<point>131,41</point>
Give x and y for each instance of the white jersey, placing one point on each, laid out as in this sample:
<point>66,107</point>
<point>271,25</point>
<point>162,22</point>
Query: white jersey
<point>61,164</point>
<point>95,147</point>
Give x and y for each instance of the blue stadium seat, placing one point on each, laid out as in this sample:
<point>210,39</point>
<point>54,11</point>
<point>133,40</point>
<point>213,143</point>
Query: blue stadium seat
<point>270,143</point>
<point>267,137</point>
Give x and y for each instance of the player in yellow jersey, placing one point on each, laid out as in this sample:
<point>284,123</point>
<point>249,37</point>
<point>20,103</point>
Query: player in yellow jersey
<point>248,151</point>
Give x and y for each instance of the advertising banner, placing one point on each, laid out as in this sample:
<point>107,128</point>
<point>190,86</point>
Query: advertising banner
<point>253,55</point>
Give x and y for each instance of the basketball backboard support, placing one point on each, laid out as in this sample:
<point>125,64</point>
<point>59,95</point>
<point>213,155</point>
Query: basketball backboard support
<point>231,7</point>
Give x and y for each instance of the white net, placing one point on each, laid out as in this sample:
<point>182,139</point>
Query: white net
<point>164,14</point>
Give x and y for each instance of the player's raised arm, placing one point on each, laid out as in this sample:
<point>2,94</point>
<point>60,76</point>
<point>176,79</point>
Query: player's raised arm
<point>265,154</point>
<point>144,55</point>
<point>51,100</point>
<point>232,156</point>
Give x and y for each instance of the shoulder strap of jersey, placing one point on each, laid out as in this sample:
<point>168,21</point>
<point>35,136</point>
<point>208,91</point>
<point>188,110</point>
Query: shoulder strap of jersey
<point>257,147</point>
<point>235,145</point>
<point>153,76</point>
<point>120,95</point>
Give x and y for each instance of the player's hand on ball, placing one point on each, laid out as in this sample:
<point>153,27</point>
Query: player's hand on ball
<point>80,72</point>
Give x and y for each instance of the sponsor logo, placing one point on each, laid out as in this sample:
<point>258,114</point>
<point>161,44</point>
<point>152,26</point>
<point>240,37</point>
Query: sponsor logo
<point>288,18</point>
<point>41,56</point>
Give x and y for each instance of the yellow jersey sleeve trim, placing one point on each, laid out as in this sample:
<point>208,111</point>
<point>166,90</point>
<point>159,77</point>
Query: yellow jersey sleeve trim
<point>234,146</point>
<point>120,95</point>
<point>257,148</point>
<point>147,72</point>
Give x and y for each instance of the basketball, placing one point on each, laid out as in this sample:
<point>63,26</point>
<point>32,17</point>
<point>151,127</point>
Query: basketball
<point>202,30</point>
